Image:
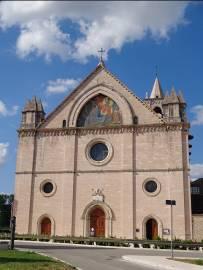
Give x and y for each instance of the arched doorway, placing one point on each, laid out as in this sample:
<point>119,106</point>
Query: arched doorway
<point>97,222</point>
<point>46,226</point>
<point>151,229</point>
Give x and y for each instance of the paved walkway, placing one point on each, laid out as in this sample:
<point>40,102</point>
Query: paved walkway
<point>160,263</point>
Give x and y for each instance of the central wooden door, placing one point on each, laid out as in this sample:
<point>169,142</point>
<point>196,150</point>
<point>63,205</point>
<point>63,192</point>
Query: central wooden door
<point>151,229</point>
<point>46,226</point>
<point>97,221</point>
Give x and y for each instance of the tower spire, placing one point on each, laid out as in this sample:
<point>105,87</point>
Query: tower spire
<point>157,90</point>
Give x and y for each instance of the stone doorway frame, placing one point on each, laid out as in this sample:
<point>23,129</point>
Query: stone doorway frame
<point>159,223</point>
<point>108,218</point>
<point>40,221</point>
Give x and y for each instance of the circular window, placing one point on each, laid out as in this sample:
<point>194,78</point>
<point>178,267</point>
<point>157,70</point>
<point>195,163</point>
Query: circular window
<point>151,186</point>
<point>48,187</point>
<point>99,151</point>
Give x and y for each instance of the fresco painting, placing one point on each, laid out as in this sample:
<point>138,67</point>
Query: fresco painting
<point>99,111</point>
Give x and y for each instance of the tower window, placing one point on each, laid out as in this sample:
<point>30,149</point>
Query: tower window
<point>171,111</point>
<point>158,110</point>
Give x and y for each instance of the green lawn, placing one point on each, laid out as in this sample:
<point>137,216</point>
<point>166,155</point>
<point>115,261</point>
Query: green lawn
<point>192,261</point>
<point>24,260</point>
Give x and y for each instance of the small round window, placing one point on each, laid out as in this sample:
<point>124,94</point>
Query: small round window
<point>151,186</point>
<point>48,187</point>
<point>99,151</point>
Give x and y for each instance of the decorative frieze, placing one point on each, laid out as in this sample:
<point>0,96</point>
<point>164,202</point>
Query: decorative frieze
<point>103,130</point>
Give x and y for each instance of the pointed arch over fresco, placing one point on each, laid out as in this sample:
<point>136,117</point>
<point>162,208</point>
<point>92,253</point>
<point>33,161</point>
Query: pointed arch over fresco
<point>115,103</point>
<point>101,110</point>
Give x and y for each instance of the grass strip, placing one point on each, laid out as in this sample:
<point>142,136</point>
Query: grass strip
<point>26,260</point>
<point>191,261</point>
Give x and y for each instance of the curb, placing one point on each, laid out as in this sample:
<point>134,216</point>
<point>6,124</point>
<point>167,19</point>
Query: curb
<point>100,246</point>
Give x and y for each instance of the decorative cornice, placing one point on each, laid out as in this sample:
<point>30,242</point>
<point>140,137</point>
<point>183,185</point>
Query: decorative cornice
<point>105,171</point>
<point>43,132</point>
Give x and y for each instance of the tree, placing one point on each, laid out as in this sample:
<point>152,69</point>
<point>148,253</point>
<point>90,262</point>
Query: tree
<point>6,201</point>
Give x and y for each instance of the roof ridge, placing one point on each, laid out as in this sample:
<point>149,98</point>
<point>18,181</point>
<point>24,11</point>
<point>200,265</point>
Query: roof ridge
<point>132,93</point>
<point>98,67</point>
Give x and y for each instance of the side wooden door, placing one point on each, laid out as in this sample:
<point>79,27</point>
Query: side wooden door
<point>46,226</point>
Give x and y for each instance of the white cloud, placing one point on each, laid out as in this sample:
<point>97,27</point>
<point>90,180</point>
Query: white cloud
<point>198,111</point>
<point>4,110</point>
<point>61,85</point>
<point>43,38</point>
<point>108,24</point>
<point>3,152</point>
<point>196,171</point>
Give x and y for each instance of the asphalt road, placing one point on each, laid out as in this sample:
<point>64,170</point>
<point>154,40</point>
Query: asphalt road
<point>98,258</point>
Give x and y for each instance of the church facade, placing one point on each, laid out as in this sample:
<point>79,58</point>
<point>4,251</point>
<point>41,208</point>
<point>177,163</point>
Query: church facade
<point>104,162</point>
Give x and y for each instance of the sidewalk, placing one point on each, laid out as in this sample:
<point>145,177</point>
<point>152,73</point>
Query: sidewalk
<point>160,262</point>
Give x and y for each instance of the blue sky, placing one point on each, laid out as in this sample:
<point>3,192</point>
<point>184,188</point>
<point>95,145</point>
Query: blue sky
<point>46,48</point>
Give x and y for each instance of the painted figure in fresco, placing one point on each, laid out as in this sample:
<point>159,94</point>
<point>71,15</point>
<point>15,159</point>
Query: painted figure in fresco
<point>101,110</point>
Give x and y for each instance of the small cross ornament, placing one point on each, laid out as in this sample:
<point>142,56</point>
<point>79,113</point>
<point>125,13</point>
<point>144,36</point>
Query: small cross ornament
<point>101,51</point>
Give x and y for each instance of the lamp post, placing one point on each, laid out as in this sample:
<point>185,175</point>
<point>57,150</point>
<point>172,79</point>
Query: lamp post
<point>171,203</point>
<point>13,226</point>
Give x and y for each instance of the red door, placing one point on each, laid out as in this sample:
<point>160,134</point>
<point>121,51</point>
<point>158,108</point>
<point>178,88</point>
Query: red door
<point>154,229</point>
<point>151,229</point>
<point>46,226</point>
<point>97,222</point>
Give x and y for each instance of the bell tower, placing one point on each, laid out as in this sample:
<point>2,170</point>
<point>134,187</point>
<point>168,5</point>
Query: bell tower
<point>156,97</point>
<point>169,106</point>
<point>33,114</point>
<point>174,107</point>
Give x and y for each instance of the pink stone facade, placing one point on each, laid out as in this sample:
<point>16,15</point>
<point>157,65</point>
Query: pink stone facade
<point>153,148</point>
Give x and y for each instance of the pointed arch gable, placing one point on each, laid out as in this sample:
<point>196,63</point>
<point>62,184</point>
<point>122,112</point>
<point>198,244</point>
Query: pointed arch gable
<point>124,108</point>
<point>99,111</point>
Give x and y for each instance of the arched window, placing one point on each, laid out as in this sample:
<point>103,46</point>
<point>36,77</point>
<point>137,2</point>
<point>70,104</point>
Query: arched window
<point>158,110</point>
<point>99,111</point>
<point>64,124</point>
<point>135,120</point>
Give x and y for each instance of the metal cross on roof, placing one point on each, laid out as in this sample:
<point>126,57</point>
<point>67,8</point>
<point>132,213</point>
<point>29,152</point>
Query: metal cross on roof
<point>101,51</point>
